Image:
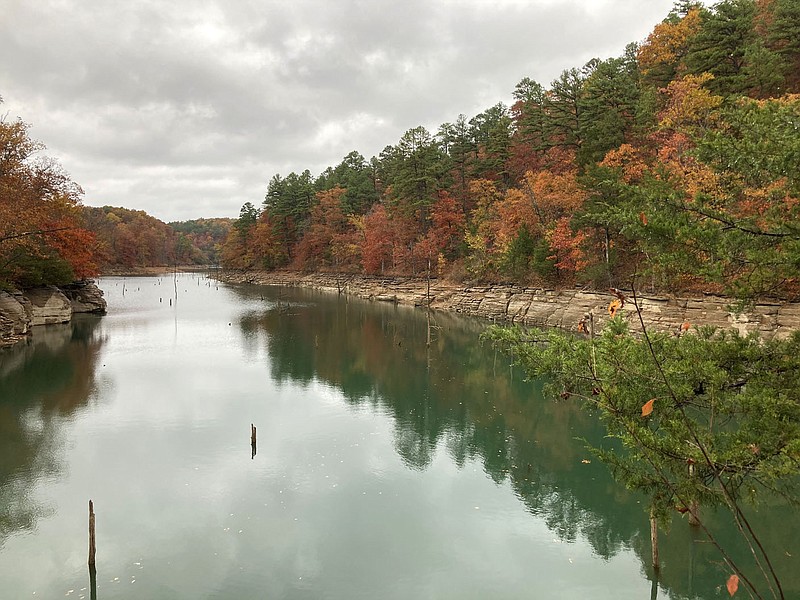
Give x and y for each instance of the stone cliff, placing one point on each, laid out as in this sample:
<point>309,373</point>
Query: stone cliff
<point>542,307</point>
<point>21,311</point>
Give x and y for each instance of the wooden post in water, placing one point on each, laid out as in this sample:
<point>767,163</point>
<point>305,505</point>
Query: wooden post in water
<point>92,544</point>
<point>92,583</point>
<point>654,539</point>
<point>252,441</point>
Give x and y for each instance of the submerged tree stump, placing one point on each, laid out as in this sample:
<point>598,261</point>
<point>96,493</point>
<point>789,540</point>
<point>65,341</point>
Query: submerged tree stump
<point>92,544</point>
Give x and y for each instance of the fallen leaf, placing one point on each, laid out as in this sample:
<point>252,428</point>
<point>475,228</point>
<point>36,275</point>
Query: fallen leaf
<point>733,584</point>
<point>586,462</point>
<point>643,218</point>
<point>647,407</point>
<point>685,326</point>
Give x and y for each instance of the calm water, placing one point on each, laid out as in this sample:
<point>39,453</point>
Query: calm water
<point>384,468</point>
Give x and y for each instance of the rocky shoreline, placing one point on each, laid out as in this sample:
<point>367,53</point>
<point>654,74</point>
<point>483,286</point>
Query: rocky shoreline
<point>540,307</point>
<point>21,311</point>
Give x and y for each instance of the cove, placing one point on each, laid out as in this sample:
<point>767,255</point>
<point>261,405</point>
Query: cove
<point>385,467</point>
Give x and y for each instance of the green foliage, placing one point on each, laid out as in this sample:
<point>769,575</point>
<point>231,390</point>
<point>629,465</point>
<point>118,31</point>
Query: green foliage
<point>526,254</point>
<point>720,46</point>
<point>708,418</point>
<point>357,178</point>
<point>608,104</point>
<point>43,268</point>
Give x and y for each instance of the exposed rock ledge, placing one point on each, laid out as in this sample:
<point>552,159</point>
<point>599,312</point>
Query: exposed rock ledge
<point>541,307</point>
<point>21,311</point>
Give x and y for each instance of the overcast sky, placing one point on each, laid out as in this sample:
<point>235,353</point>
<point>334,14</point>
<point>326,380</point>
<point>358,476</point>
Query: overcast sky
<point>186,108</point>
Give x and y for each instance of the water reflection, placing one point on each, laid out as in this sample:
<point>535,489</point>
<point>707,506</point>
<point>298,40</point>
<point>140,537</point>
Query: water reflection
<point>455,394</point>
<point>41,384</point>
<point>172,443</point>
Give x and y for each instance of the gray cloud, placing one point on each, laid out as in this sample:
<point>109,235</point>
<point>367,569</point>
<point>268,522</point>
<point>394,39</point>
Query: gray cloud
<point>186,109</point>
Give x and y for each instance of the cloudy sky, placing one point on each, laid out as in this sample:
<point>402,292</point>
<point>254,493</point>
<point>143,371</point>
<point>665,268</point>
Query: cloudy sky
<point>186,108</point>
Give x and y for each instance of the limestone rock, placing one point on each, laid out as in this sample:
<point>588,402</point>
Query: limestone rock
<point>85,297</point>
<point>15,320</point>
<point>543,307</point>
<point>48,306</point>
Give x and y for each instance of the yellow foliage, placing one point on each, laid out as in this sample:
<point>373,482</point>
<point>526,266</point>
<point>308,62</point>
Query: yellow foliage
<point>668,42</point>
<point>689,104</point>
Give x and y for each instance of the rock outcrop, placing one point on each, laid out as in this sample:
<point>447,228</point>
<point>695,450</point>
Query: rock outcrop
<point>21,311</point>
<point>543,307</point>
<point>15,320</point>
<point>85,297</point>
<point>48,306</point>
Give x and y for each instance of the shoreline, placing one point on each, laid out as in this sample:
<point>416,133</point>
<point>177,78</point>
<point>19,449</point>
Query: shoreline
<point>539,307</point>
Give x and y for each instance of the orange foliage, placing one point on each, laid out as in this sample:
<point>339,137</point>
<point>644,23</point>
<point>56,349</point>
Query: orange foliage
<point>331,239</point>
<point>38,208</point>
<point>629,160</point>
<point>554,195</point>
<point>376,251</point>
<point>668,42</point>
<point>566,245</point>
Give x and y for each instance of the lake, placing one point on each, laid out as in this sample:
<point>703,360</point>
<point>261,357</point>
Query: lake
<point>385,467</point>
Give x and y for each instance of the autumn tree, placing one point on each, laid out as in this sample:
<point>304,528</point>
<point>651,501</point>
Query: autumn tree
<point>661,55</point>
<point>41,237</point>
<point>376,251</point>
<point>331,239</point>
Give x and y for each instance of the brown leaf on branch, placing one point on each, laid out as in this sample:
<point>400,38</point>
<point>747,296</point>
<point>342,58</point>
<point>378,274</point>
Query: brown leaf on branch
<point>647,407</point>
<point>614,307</point>
<point>620,296</point>
<point>733,584</point>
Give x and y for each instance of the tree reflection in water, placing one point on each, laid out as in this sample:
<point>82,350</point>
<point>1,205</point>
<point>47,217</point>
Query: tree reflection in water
<point>457,395</point>
<point>42,384</point>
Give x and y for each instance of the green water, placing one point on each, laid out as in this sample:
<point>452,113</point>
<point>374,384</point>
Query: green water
<point>384,468</point>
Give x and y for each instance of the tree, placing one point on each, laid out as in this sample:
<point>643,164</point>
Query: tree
<point>354,175</point>
<point>331,238</point>
<point>708,419</point>
<point>414,169</point>
<point>41,237</point>
<point>376,251</point>
<point>446,232</point>
<point>661,56</point>
<point>564,109</point>
<point>456,141</point>
<point>720,46</point>
<point>609,100</point>
<point>288,202</point>
<point>491,131</point>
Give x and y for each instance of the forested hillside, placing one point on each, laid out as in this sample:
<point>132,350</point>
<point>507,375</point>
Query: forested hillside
<point>677,161</point>
<point>131,238</point>
<point>48,238</point>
